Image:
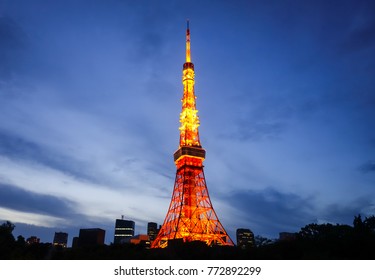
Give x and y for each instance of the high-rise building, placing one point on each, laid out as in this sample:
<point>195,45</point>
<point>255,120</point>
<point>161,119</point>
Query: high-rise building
<point>152,230</point>
<point>245,238</point>
<point>124,229</point>
<point>191,216</point>
<point>75,242</point>
<point>91,237</point>
<point>60,239</point>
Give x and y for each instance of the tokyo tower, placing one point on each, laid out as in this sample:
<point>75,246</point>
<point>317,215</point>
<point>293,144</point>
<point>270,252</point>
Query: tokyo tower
<point>190,216</point>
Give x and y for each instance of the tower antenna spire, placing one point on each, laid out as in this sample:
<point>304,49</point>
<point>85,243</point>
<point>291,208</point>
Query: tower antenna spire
<point>188,55</point>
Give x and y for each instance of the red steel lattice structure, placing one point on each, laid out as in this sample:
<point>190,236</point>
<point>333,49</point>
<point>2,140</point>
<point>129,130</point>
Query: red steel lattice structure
<point>190,216</point>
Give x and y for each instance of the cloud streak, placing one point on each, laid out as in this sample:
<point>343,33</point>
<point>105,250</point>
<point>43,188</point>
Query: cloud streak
<point>272,210</point>
<point>367,167</point>
<point>13,44</point>
<point>19,199</point>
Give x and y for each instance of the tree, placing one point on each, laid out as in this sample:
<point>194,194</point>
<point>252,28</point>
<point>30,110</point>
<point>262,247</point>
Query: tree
<point>310,231</point>
<point>357,222</point>
<point>261,241</point>
<point>369,223</point>
<point>7,241</point>
<point>21,240</point>
<point>7,228</point>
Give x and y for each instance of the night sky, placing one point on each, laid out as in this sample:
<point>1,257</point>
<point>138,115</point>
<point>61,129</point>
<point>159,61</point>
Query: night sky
<point>90,99</point>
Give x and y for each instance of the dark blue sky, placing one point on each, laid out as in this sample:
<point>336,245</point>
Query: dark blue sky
<point>90,100</point>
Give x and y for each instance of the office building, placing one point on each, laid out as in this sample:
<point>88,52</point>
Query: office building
<point>124,229</point>
<point>91,237</point>
<point>245,238</point>
<point>152,230</point>
<point>60,239</point>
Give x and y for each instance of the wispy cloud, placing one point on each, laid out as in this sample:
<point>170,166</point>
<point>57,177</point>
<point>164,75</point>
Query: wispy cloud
<point>23,200</point>
<point>269,211</point>
<point>344,213</point>
<point>360,35</point>
<point>367,167</point>
<point>13,44</point>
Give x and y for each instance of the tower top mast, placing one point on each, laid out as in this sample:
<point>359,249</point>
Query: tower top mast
<point>188,56</point>
<point>189,119</point>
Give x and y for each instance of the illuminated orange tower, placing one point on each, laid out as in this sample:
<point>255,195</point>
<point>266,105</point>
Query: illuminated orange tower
<point>190,215</point>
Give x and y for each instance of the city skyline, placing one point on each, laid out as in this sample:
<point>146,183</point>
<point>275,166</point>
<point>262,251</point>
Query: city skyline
<point>90,99</point>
